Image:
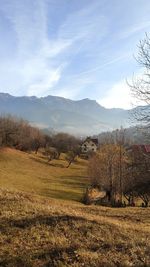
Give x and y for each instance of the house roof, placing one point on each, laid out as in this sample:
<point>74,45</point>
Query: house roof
<point>94,140</point>
<point>89,139</point>
<point>147,148</point>
<point>144,148</point>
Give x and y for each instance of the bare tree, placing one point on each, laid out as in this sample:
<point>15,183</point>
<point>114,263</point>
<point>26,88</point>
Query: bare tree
<point>140,87</point>
<point>19,134</point>
<point>137,182</point>
<point>51,153</point>
<point>104,170</point>
<point>64,143</point>
<point>37,139</point>
<point>142,190</point>
<point>70,157</point>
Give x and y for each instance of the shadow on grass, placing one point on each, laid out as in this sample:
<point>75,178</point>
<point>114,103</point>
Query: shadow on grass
<point>66,188</point>
<point>77,181</point>
<point>62,194</point>
<point>51,257</point>
<point>51,221</point>
<point>59,165</point>
<point>41,161</point>
<point>56,254</point>
<point>82,163</point>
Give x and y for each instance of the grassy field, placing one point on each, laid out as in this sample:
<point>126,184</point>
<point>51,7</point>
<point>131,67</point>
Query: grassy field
<point>39,227</point>
<point>32,173</point>
<point>37,231</point>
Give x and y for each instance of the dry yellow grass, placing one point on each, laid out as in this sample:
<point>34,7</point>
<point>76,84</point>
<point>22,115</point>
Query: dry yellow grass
<point>32,173</point>
<point>39,227</point>
<point>37,231</point>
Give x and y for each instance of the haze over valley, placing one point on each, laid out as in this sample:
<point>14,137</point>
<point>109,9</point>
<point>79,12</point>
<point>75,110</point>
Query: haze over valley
<point>82,117</point>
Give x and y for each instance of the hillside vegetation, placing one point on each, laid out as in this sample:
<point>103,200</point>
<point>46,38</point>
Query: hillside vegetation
<point>38,231</point>
<point>32,173</point>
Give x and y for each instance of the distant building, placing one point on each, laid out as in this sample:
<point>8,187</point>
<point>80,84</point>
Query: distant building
<point>89,145</point>
<point>144,149</point>
<point>141,154</point>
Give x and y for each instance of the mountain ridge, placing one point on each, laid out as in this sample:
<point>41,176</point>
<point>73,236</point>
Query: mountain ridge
<point>83,116</point>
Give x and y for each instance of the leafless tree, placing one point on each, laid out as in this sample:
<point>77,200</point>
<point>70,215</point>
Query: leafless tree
<point>140,87</point>
<point>51,153</point>
<point>137,181</point>
<point>104,170</point>
<point>64,143</point>
<point>70,157</point>
<point>19,134</point>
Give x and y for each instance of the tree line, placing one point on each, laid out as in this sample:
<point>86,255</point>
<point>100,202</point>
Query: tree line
<point>19,134</point>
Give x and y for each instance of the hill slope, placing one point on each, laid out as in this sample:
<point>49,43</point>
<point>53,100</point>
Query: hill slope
<point>78,117</point>
<point>32,173</point>
<point>41,232</point>
<point>40,227</point>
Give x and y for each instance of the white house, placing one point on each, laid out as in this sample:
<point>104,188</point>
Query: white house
<point>89,145</point>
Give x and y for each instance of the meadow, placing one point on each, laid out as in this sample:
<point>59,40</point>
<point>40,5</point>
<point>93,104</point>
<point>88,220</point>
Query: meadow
<point>44,224</point>
<point>37,231</point>
<point>32,173</point>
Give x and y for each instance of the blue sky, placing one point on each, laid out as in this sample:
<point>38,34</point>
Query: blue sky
<point>70,48</point>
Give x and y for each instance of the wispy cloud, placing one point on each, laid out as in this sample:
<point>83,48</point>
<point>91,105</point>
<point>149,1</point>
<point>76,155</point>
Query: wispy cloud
<point>142,26</point>
<point>48,80</point>
<point>84,24</point>
<point>122,57</point>
<point>35,63</point>
<point>69,48</point>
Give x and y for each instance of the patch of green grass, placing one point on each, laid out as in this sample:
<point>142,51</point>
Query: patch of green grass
<point>46,232</point>
<point>32,173</point>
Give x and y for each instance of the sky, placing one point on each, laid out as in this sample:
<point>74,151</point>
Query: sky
<point>70,48</point>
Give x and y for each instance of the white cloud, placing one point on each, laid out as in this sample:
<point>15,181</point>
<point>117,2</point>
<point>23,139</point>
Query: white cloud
<point>118,96</point>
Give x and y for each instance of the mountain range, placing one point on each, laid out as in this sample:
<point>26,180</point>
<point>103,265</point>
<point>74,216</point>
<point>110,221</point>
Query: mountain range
<point>81,117</point>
